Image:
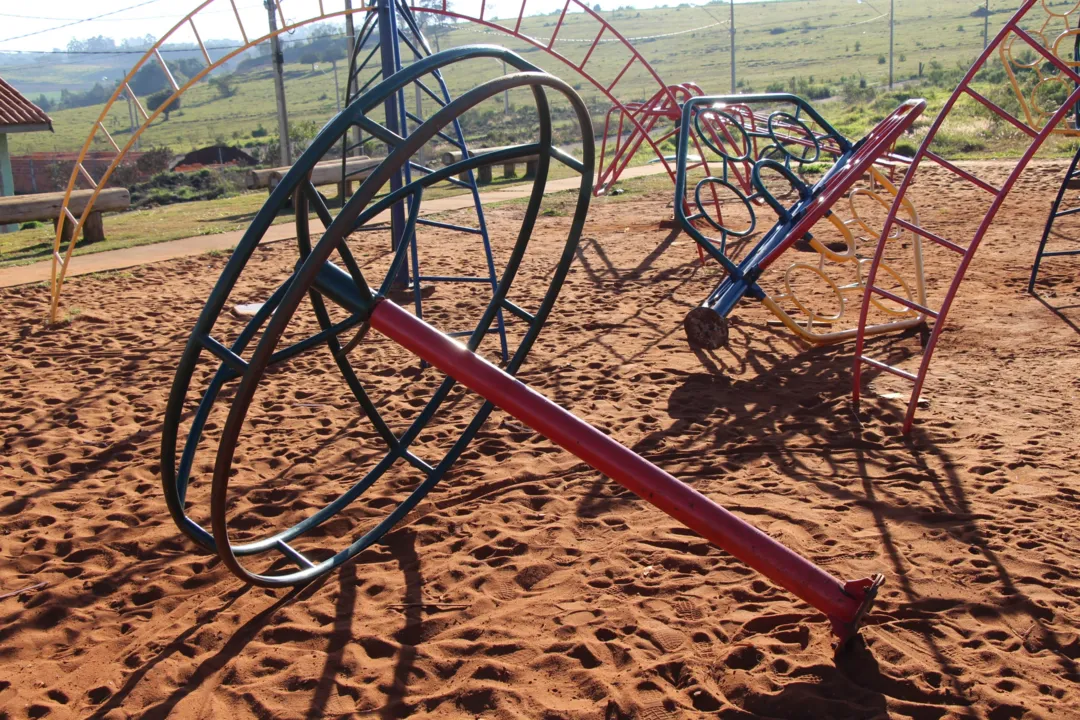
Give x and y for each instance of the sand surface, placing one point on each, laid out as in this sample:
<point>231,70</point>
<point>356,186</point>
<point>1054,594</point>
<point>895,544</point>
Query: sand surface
<point>527,585</point>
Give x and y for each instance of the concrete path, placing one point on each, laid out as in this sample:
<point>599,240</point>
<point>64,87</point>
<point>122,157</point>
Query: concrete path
<point>187,247</point>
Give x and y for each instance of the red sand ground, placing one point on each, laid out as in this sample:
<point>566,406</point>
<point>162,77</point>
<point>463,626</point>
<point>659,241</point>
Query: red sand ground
<point>527,585</point>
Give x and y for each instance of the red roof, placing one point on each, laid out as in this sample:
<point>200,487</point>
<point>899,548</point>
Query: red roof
<point>17,110</point>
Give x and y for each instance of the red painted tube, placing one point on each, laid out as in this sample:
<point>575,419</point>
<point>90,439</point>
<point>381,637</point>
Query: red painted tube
<point>844,604</point>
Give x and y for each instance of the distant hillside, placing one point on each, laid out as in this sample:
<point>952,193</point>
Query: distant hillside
<point>811,43</point>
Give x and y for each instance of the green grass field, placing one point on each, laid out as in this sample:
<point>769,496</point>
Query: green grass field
<point>825,40</point>
<point>781,44</point>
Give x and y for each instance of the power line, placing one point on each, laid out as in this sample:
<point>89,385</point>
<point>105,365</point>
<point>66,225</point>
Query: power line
<point>79,22</point>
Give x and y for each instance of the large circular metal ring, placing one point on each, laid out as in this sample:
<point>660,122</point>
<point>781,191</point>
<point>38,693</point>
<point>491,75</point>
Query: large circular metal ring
<point>793,296</point>
<point>712,139</point>
<point>738,193</point>
<point>790,119</point>
<point>318,279</point>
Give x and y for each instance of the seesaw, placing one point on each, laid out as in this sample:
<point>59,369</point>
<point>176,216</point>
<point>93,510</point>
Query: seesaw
<point>242,368</point>
<point>750,143</point>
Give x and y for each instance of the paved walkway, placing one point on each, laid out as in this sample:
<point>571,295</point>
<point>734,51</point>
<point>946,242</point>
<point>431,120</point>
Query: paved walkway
<point>187,247</point>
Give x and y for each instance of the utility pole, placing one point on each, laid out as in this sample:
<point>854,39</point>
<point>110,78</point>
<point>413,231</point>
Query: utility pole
<point>337,88</point>
<point>279,86</point>
<point>892,24</point>
<point>732,47</point>
<point>986,24</point>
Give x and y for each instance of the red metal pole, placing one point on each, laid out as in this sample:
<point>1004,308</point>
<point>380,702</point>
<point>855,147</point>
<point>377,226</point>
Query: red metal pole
<point>844,604</point>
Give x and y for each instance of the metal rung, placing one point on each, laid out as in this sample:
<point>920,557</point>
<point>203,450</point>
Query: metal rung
<point>903,301</point>
<point>449,226</point>
<point>417,462</point>
<point>963,173</point>
<point>518,311</point>
<point>888,368</point>
<point>289,552</point>
<point>468,333</point>
<point>1000,112</point>
<point>447,278</point>
<point>929,235</point>
<point>1071,211</point>
<point>1053,59</point>
<point>224,354</point>
<point>1059,253</point>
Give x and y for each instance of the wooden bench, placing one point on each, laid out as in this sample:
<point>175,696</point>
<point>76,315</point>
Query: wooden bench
<point>47,206</point>
<point>483,173</point>
<point>327,172</point>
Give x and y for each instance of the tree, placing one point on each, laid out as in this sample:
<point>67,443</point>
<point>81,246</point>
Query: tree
<point>332,54</point>
<point>310,58</point>
<point>430,22</point>
<point>158,99</point>
<point>224,85</point>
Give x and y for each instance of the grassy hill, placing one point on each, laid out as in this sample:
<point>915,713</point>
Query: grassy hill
<point>821,42</point>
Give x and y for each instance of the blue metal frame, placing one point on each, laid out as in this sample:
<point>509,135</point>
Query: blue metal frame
<point>387,14</point>
<point>741,278</point>
<point>1055,212</point>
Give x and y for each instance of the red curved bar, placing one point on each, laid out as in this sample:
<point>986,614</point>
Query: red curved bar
<point>966,252</point>
<point>843,603</point>
<point>876,143</point>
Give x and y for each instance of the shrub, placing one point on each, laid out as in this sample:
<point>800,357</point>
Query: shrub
<point>880,59</point>
<point>154,160</point>
<point>260,132</point>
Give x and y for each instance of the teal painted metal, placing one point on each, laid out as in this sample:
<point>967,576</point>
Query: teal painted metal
<point>321,281</point>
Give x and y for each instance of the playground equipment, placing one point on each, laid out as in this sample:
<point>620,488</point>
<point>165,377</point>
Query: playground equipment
<point>393,25</point>
<point>593,49</point>
<point>1031,81</point>
<point>315,276</point>
<point>1036,127</point>
<point>750,144</point>
<point>1071,181</point>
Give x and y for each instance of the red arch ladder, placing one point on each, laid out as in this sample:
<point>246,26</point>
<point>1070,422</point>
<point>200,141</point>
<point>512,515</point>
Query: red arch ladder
<point>1037,137</point>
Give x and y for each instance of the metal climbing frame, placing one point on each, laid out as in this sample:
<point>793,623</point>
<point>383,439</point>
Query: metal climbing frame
<point>342,287</point>
<point>392,25</point>
<point>728,131</point>
<point>1071,181</point>
<point>316,277</point>
<point>1011,33</point>
<point>211,13</point>
<point>1028,76</point>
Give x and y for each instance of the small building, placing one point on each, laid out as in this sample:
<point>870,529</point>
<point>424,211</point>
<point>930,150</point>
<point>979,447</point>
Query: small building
<point>17,114</point>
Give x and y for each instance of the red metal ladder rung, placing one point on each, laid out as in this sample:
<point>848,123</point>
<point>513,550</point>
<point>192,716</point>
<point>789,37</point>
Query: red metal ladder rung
<point>1000,112</point>
<point>622,72</point>
<point>558,25</point>
<point>929,235</point>
<point>963,173</point>
<point>910,304</point>
<point>888,368</point>
<point>595,42</point>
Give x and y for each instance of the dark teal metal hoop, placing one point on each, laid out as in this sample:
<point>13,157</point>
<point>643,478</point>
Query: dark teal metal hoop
<point>323,281</point>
